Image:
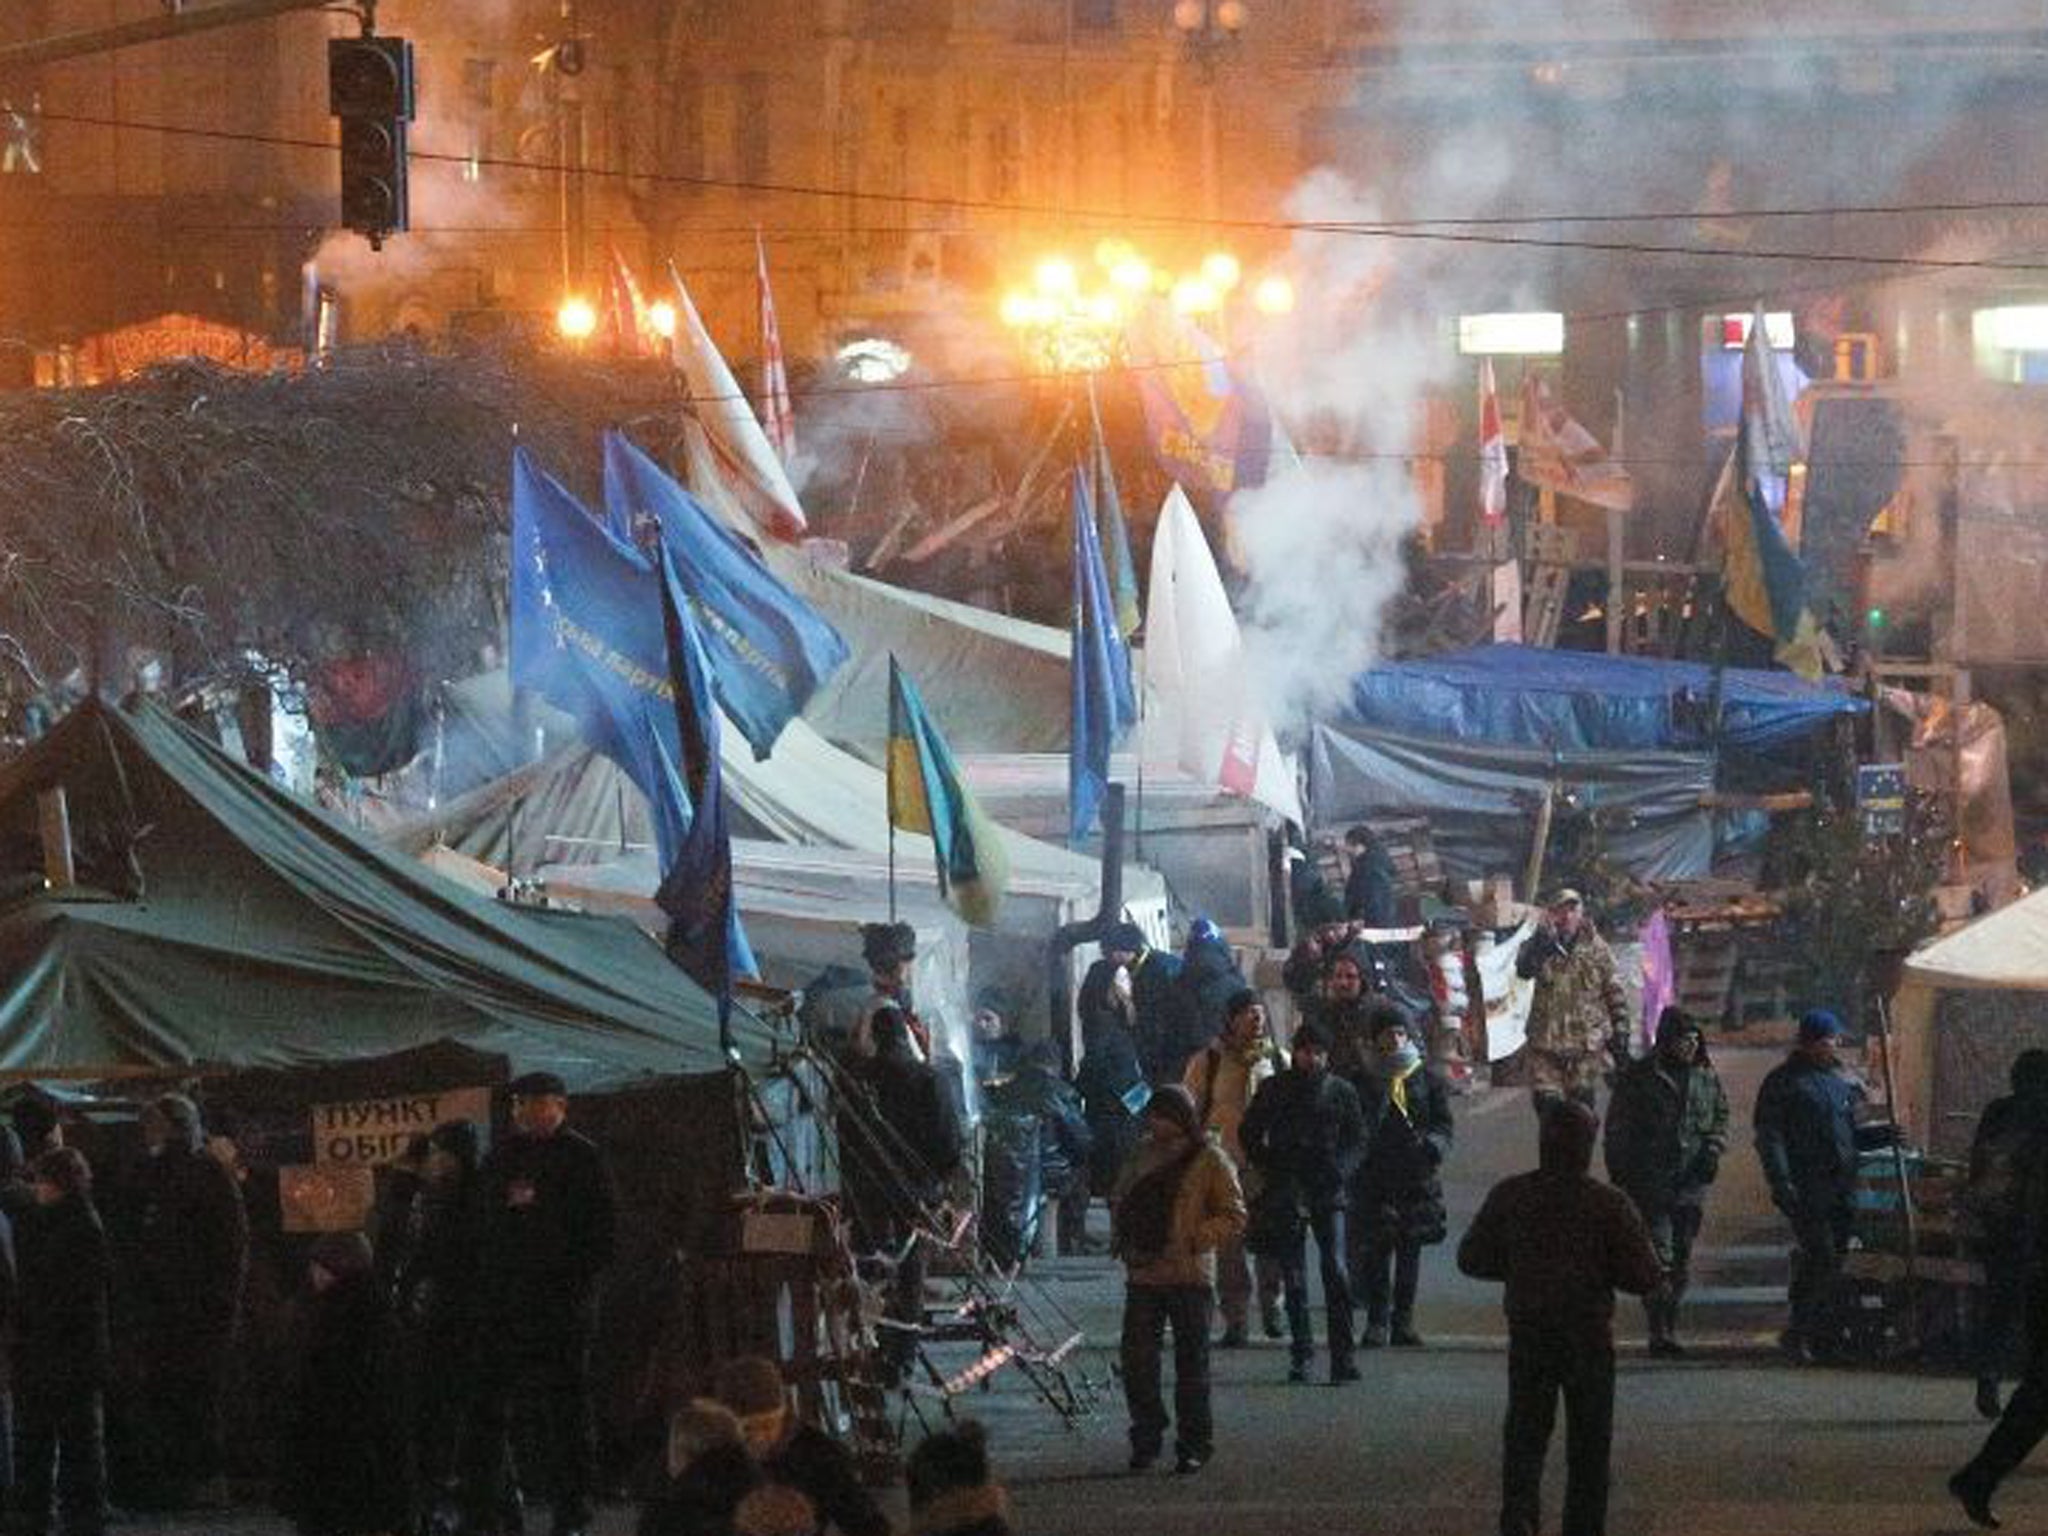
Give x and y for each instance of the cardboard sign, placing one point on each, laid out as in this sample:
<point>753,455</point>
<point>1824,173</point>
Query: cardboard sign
<point>1881,796</point>
<point>373,1131</point>
<point>326,1197</point>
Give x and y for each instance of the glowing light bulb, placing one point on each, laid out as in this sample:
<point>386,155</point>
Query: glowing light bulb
<point>1132,273</point>
<point>661,316</point>
<point>1273,295</point>
<point>577,318</point>
<point>1016,309</point>
<point>1109,252</point>
<point>1192,296</point>
<point>1220,270</point>
<point>1105,308</point>
<point>1056,275</point>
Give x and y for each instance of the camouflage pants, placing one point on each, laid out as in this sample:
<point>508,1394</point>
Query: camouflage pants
<point>1565,1075</point>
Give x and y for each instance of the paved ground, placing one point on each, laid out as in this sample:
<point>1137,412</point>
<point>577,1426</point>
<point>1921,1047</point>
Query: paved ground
<point>1728,1443</point>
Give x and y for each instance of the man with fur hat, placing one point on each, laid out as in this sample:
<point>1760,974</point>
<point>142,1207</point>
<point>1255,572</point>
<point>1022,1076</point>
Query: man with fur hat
<point>1666,1130</point>
<point>1578,1005</point>
<point>1806,1139</point>
<point>546,1230</point>
<point>1564,1243</point>
<point>1177,1201</point>
<point>192,1254</point>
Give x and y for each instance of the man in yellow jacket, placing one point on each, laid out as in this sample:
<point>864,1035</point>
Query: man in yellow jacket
<point>1176,1203</point>
<point>1223,1076</point>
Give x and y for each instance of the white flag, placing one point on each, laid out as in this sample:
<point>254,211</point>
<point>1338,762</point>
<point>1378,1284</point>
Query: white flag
<point>1493,449</point>
<point>1200,712</point>
<point>738,451</point>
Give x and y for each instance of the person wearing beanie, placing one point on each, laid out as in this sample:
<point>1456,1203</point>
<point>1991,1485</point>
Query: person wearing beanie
<point>2003,1231</point>
<point>343,1465</point>
<point>1666,1130</point>
<point>547,1229</point>
<point>1397,1206</point>
<point>1145,979</point>
<point>1223,1077</point>
<point>192,1256</point>
<point>62,1354</point>
<point>1562,1243</point>
<point>1177,1201</point>
<point>1303,1137</point>
<point>1805,1125</point>
<point>952,1492</point>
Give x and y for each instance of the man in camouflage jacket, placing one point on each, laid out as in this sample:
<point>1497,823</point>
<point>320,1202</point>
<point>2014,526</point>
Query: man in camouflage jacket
<point>1579,1005</point>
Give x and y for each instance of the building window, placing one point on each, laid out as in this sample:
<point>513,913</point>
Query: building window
<point>750,129</point>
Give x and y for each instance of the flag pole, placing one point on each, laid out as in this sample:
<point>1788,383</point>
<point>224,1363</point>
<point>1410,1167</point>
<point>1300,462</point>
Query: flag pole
<point>888,784</point>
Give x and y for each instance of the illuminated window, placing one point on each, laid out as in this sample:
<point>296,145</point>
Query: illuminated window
<point>1528,333</point>
<point>873,360</point>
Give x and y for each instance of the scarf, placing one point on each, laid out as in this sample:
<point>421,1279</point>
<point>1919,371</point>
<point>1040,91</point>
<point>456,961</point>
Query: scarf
<point>1395,1070</point>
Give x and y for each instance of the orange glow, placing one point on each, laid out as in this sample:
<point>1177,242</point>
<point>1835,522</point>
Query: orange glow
<point>1056,275</point>
<point>1192,296</point>
<point>577,318</point>
<point>1221,271</point>
<point>661,315</point>
<point>1273,295</point>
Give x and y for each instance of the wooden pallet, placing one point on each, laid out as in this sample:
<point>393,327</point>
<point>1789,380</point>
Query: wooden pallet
<point>1550,554</point>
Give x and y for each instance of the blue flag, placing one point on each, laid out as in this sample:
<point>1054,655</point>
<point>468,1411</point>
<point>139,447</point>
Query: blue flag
<point>704,934</point>
<point>768,649</point>
<point>1104,704</point>
<point>586,636</point>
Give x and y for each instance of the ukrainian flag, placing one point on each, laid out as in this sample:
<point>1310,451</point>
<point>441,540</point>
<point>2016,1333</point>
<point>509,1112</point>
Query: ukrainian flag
<point>928,795</point>
<point>1762,577</point>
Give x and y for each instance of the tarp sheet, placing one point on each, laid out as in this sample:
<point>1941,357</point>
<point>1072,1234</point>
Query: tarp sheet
<point>1481,799</point>
<point>218,920</point>
<point>1571,701</point>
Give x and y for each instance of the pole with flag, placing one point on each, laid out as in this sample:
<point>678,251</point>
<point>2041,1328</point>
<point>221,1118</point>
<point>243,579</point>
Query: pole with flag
<point>928,794</point>
<point>1493,451</point>
<point>778,420</point>
<point>704,936</point>
<point>1104,706</point>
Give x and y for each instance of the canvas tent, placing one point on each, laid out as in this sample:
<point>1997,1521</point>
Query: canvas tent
<point>1969,1003</point>
<point>216,920</point>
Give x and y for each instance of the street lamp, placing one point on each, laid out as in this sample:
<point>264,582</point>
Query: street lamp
<point>1208,29</point>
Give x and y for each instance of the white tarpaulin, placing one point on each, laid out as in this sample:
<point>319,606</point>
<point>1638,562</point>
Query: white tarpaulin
<point>1201,713</point>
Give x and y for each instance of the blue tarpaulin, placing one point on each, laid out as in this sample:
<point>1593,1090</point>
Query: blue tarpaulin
<point>1576,701</point>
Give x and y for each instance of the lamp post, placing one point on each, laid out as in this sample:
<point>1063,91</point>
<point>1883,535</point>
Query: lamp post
<point>1209,29</point>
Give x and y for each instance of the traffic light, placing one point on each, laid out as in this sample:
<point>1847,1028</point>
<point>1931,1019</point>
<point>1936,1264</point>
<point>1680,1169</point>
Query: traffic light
<point>370,88</point>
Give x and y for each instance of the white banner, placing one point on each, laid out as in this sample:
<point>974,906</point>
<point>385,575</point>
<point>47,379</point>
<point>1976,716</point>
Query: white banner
<point>372,1131</point>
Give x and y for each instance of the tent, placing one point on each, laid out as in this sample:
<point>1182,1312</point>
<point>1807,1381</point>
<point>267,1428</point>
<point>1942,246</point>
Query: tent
<point>1969,1003</point>
<point>216,920</point>
<point>1481,797</point>
<point>1567,701</point>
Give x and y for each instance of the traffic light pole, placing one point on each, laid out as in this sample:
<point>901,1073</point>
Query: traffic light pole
<point>156,29</point>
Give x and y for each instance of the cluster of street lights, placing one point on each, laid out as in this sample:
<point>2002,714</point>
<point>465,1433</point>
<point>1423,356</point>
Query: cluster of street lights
<point>577,319</point>
<point>1071,318</point>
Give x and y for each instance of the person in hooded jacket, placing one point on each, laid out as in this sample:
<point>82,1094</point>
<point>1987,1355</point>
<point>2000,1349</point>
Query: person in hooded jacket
<point>1110,1077</point>
<point>1224,1076</point>
<point>1177,1202</point>
<point>191,1260</point>
<point>1303,1135</point>
<point>1202,992</point>
<point>62,1355</point>
<point>1667,1127</point>
<point>2012,1136</point>
<point>343,1472</point>
<point>1397,1204</point>
<point>1037,1117</point>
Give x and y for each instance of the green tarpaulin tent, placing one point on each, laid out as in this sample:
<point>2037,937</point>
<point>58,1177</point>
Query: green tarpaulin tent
<point>219,921</point>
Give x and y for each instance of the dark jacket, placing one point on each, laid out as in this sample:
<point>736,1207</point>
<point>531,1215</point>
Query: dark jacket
<point>1398,1192</point>
<point>344,1457</point>
<point>192,1252</point>
<point>1109,1078</point>
<point>1806,1133</point>
<point>61,1303</point>
<point>1304,1133</point>
<point>1156,1015</point>
<point>1564,1243</point>
<point>899,1142</point>
<point>547,1223</point>
<point>2008,1170</point>
<point>824,1471</point>
<point>1040,1094</point>
<point>1208,979</point>
<point>1369,889</point>
<point>436,1287</point>
<point>1666,1130</point>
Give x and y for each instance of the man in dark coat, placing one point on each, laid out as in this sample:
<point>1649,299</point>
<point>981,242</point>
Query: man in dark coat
<point>1150,978</point>
<point>1564,1243</point>
<point>61,1351</point>
<point>1303,1134</point>
<point>192,1256</point>
<point>547,1223</point>
<point>1397,1206</point>
<point>1110,1077</point>
<point>1036,1152</point>
<point>899,1144</point>
<point>1208,980</point>
<point>2012,1136</point>
<point>1806,1140</point>
<point>1369,895</point>
<point>1666,1130</point>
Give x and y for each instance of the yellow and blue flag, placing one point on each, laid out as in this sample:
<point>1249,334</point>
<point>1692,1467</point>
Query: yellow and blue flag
<point>1763,578</point>
<point>1211,428</point>
<point>1104,703</point>
<point>1113,532</point>
<point>927,794</point>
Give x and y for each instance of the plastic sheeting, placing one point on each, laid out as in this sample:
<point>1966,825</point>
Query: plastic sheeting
<point>1569,701</point>
<point>1481,799</point>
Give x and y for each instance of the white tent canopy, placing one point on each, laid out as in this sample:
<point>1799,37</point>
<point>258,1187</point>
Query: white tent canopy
<point>1969,1002</point>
